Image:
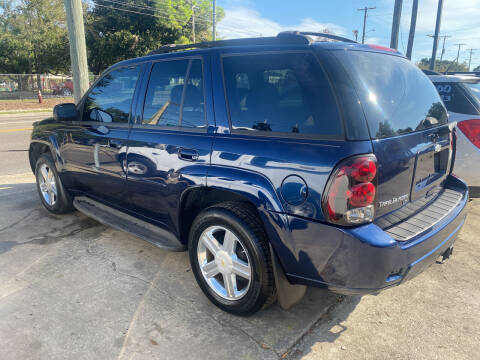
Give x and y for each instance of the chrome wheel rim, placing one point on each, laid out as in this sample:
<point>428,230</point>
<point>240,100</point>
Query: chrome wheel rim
<point>224,263</point>
<point>48,185</point>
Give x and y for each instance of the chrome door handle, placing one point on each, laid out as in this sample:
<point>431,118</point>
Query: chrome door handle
<point>188,154</point>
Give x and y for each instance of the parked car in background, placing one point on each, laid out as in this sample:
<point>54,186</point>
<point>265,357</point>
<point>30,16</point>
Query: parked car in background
<point>278,163</point>
<point>461,96</point>
<point>64,89</point>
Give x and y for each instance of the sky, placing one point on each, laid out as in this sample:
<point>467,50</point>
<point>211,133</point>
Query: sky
<point>460,20</point>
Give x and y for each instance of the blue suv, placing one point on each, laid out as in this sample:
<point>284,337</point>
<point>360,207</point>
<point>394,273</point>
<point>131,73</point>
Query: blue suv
<point>278,163</point>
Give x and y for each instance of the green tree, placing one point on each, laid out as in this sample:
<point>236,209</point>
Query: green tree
<point>442,66</point>
<point>477,68</point>
<point>33,37</point>
<point>114,35</point>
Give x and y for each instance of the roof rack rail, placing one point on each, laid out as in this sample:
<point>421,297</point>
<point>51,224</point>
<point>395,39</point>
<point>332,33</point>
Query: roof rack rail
<point>307,34</point>
<point>232,42</point>
<point>430,72</point>
<point>284,37</point>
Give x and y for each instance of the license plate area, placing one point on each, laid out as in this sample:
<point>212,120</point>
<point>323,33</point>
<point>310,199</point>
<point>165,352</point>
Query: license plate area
<point>430,169</point>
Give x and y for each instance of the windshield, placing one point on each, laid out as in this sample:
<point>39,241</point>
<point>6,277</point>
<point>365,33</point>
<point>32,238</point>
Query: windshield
<point>397,97</point>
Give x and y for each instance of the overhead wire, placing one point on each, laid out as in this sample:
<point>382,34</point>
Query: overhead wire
<point>166,17</point>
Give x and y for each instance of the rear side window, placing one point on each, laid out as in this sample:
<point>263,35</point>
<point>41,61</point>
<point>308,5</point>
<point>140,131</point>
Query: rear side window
<point>175,95</point>
<point>475,89</point>
<point>455,98</point>
<point>110,99</point>
<point>397,97</point>
<point>280,93</point>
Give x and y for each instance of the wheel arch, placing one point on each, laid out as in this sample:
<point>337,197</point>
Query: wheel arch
<point>36,149</point>
<point>251,188</point>
<point>229,184</point>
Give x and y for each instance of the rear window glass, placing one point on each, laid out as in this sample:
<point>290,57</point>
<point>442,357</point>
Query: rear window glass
<point>285,93</point>
<point>475,88</point>
<point>397,97</point>
<point>455,98</point>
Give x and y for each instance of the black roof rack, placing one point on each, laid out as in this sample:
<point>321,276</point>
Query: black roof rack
<point>308,34</point>
<point>430,72</point>
<point>285,37</point>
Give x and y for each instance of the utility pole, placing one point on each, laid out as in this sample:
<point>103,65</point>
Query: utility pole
<point>470,58</point>
<point>355,33</point>
<point>193,22</point>
<point>413,25</point>
<point>213,24</point>
<point>458,52</point>
<point>443,46</point>
<point>397,14</point>
<point>78,49</point>
<point>365,10</point>
<point>435,36</point>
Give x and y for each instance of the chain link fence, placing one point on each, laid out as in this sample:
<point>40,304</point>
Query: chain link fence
<point>26,86</point>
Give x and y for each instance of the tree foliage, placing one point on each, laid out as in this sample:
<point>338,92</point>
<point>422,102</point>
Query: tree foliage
<point>33,37</point>
<point>444,65</point>
<point>477,68</point>
<point>114,35</point>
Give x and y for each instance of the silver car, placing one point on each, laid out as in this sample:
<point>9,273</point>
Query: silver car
<point>461,95</point>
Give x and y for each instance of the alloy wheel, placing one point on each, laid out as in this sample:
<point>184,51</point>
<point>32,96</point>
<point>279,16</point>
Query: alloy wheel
<point>224,262</point>
<point>48,184</point>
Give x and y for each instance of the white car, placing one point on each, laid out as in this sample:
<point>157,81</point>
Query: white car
<point>461,95</point>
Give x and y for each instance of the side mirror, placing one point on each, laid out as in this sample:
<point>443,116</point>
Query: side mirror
<point>100,115</point>
<point>65,112</point>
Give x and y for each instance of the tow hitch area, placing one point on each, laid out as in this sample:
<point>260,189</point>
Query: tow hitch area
<point>446,255</point>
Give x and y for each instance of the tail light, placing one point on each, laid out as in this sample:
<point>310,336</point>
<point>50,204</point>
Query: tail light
<point>471,129</point>
<point>349,198</point>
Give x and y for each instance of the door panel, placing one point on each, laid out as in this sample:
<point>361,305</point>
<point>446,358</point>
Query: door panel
<point>170,146</point>
<point>96,146</point>
<point>158,176</point>
<point>94,160</point>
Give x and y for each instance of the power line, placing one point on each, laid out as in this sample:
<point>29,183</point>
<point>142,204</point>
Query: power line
<point>139,7</point>
<point>199,19</point>
<point>365,11</point>
<point>111,7</point>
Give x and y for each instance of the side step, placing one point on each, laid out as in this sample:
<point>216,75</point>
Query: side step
<point>124,222</point>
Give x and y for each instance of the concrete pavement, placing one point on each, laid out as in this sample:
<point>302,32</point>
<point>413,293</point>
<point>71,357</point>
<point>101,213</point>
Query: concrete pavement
<point>434,316</point>
<point>15,130</point>
<point>71,288</point>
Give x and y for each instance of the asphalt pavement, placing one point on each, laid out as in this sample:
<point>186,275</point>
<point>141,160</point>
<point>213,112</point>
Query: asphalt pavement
<point>15,130</point>
<point>71,288</point>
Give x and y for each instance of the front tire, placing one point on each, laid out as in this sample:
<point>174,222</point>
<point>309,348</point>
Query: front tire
<point>50,189</point>
<point>229,255</point>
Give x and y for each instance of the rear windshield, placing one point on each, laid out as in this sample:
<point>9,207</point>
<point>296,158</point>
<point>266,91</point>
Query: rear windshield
<point>455,98</point>
<point>397,97</point>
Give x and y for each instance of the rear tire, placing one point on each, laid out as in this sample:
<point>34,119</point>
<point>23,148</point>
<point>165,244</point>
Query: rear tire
<point>52,194</point>
<point>237,275</point>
